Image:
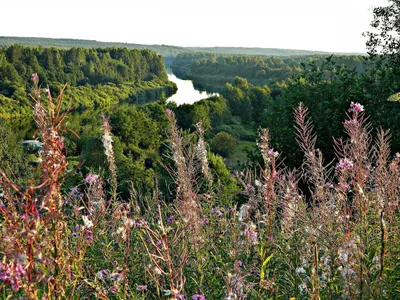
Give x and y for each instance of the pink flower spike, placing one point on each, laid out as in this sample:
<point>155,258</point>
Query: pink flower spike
<point>273,153</point>
<point>356,107</point>
<point>344,164</point>
<point>91,178</point>
<point>35,78</point>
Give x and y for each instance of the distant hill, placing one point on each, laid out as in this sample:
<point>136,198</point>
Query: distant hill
<point>164,50</point>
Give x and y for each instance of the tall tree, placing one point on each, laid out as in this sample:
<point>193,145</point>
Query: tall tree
<point>385,34</point>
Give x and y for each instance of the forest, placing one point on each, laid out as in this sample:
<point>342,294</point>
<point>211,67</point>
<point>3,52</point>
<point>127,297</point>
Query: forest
<point>212,71</point>
<point>166,51</point>
<point>95,77</point>
<point>286,185</point>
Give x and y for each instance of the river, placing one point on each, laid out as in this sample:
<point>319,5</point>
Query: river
<point>186,93</point>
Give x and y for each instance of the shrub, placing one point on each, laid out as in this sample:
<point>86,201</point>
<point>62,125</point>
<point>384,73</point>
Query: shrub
<point>223,143</point>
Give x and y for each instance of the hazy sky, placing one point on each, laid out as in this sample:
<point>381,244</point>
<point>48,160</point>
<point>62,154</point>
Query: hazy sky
<point>334,25</point>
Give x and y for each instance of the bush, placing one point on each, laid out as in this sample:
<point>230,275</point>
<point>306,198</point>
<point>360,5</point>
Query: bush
<point>224,144</point>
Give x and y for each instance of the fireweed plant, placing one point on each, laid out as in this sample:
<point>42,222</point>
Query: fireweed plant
<point>339,242</point>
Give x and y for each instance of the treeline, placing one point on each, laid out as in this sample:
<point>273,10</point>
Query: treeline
<point>212,71</point>
<point>96,77</point>
<point>164,50</point>
<point>79,66</point>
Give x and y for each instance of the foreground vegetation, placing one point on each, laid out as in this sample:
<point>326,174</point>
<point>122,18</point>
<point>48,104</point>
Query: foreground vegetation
<point>198,241</point>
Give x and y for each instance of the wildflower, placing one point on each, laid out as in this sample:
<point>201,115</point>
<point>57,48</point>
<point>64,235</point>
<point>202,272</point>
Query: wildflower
<point>206,221</point>
<point>139,223</point>
<point>198,297</point>
<point>251,235</point>
<point>273,153</point>
<point>35,78</point>
<point>216,211</point>
<point>158,271</point>
<point>356,107</point>
<point>87,222</point>
<point>108,149</point>
<point>91,178</point>
<point>12,274</point>
<point>170,219</point>
<point>141,288</point>
<point>74,193</point>
<point>344,164</point>
<point>101,274</point>
<point>115,276</point>
<point>74,234</point>
<point>180,297</point>
<point>300,270</point>
<point>342,187</point>
<point>240,264</point>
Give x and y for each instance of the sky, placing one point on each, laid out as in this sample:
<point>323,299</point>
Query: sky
<point>333,26</point>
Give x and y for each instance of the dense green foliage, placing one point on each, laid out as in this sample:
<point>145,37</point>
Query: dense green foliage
<point>326,85</point>
<point>95,77</point>
<point>212,71</point>
<point>223,143</point>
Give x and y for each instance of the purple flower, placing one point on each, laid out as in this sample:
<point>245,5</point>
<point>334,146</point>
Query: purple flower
<point>216,211</point>
<point>159,243</point>
<point>12,274</point>
<point>141,288</point>
<point>206,221</point>
<point>273,153</point>
<point>240,264</point>
<point>139,223</point>
<point>345,164</point>
<point>356,107</point>
<point>180,297</point>
<point>74,234</point>
<point>251,235</point>
<point>101,274</point>
<point>198,297</point>
<point>91,178</point>
<point>170,219</point>
<point>74,193</point>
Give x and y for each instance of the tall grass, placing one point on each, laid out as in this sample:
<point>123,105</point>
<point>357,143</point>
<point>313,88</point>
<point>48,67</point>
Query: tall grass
<point>337,240</point>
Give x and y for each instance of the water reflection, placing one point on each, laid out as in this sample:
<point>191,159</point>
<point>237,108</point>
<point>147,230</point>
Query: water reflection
<point>186,93</point>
